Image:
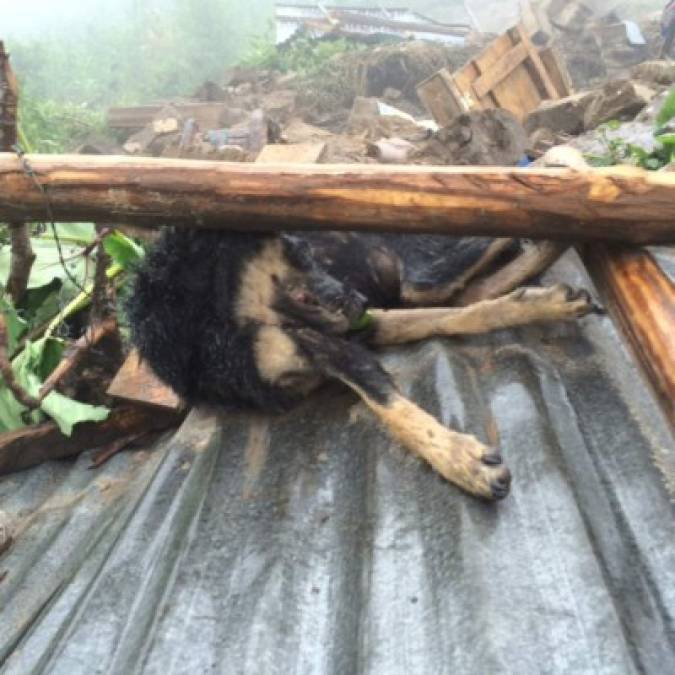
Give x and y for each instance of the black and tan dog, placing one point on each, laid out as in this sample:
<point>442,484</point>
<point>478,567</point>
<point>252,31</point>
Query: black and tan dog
<point>251,320</point>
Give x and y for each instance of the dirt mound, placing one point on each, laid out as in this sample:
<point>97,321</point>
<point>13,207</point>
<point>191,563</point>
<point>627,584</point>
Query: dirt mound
<point>327,96</point>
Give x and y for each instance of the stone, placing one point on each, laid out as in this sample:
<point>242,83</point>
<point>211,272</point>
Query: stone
<point>566,115</point>
<point>655,72</point>
<point>618,100</point>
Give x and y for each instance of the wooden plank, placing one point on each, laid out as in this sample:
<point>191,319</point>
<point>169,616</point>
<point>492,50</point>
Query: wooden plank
<point>501,70</point>
<point>641,299</point>
<point>207,115</point>
<point>295,153</point>
<point>441,98</point>
<point>536,62</point>
<point>557,72</point>
<point>28,447</point>
<point>616,203</point>
<point>136,383</point>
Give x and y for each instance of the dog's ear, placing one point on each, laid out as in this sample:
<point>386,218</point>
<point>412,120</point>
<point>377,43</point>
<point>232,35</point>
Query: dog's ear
<point>298,251</point>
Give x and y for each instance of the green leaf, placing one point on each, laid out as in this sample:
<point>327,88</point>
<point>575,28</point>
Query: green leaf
<point>16,326</point>
<point>666,139</point>
<point>667,111</point>
<point>31,367</point>
<point>80,234</point>
<point>123,250</point>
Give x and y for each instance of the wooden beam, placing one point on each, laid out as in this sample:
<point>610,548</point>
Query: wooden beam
<point>617,203</point>
<point>28,447</point>
<point>501,70</point>
<point>641,299</point>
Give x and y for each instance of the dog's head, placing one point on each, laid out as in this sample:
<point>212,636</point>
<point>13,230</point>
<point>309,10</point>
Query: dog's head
<point>310,296</point>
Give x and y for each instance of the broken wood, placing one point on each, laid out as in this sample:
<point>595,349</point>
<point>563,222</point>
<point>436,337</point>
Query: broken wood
<point>615,203</point>
<point>28,447</point>
<point>509,74</point>
<point>641,299</point>
<point>293,153</point>
<point>135,382</point>
<point>93,335</point>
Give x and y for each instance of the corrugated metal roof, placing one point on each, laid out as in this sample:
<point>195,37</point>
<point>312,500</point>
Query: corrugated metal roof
<point>320,19</point>
<point>308,543</point>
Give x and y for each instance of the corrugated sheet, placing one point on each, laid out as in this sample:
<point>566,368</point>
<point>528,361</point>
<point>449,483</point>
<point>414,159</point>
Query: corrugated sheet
<point>307,543</point>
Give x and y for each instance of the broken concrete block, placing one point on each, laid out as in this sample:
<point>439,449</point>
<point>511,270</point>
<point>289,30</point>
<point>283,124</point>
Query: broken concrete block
<point>298,153</point>
<point>480,137</point>
<point>298,131</point>
<point>391,150</point>
<point>568,15</point>
<point>655,72</point>
<point>279,105</point>
<point>618,100</point>
<point>566,115</point>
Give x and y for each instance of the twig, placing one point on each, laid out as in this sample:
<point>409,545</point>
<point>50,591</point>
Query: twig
<point>93,335</point>
<point>100,307</point>
<point>20,394</point>
<point>22,257</point>
<point>113,448</point>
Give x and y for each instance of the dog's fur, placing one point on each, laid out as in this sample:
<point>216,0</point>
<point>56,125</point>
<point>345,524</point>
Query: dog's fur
<point>252,320</point>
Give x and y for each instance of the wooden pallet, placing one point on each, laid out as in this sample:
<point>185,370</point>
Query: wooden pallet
<point>511,74</point>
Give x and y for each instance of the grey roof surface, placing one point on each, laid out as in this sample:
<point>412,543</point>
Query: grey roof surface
<point>309,543</point>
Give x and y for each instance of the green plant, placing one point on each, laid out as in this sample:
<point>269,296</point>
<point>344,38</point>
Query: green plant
<point>619,151</point>
<point>304,55</point>
<point>51,299</point>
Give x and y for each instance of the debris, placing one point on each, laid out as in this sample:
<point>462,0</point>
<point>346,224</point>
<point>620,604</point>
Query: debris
<point>391,150</point>
<point>661,73</point>
<point>93,335</point>
<point>568,15</point>
<point>33,445</point>
<point>618,100</point>
<point>509,74</point>
<point>480,137</point>
<point>136,383</point>
<point>297,153</point>
<point>565,115</point>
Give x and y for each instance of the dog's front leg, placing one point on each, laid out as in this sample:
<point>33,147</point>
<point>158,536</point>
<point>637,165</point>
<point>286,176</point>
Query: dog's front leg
<point>521,307</point>
<point>460,458</point>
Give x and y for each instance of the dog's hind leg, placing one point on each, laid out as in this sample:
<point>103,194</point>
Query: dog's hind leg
<point>442,294</point>
<point>523,306</point>
<point>532,262</point>
<point>460,458</point>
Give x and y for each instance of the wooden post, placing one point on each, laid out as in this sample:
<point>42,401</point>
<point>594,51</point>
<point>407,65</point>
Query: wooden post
<point>618,203</point>
<point>22,252</point>
<point>641,300</point>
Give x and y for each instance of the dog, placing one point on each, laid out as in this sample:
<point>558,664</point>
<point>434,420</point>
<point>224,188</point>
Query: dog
<point>249,320</point>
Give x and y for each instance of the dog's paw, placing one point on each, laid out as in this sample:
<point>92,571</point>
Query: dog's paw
<point>493,478</point>
<point>474,467</point>
<point>559,302</point>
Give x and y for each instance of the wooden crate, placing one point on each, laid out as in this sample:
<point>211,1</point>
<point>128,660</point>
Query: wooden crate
<point>509,74</point>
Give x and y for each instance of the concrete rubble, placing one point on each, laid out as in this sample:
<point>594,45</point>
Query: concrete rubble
<point>363,108</point>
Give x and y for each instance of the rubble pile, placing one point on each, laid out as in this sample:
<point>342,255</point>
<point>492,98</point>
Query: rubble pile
<point>362,106</point>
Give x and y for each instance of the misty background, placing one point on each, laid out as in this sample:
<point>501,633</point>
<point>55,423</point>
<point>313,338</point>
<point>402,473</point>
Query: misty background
<point>74,58</point>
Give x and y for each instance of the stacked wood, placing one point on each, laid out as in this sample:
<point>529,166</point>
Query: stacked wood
<point>617,203</point>
<point>509,74</point>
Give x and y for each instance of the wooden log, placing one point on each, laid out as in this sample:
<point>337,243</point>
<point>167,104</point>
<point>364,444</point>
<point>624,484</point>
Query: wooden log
<point>641,300</point>
<point>28,447</point>
<point>616,203</point>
